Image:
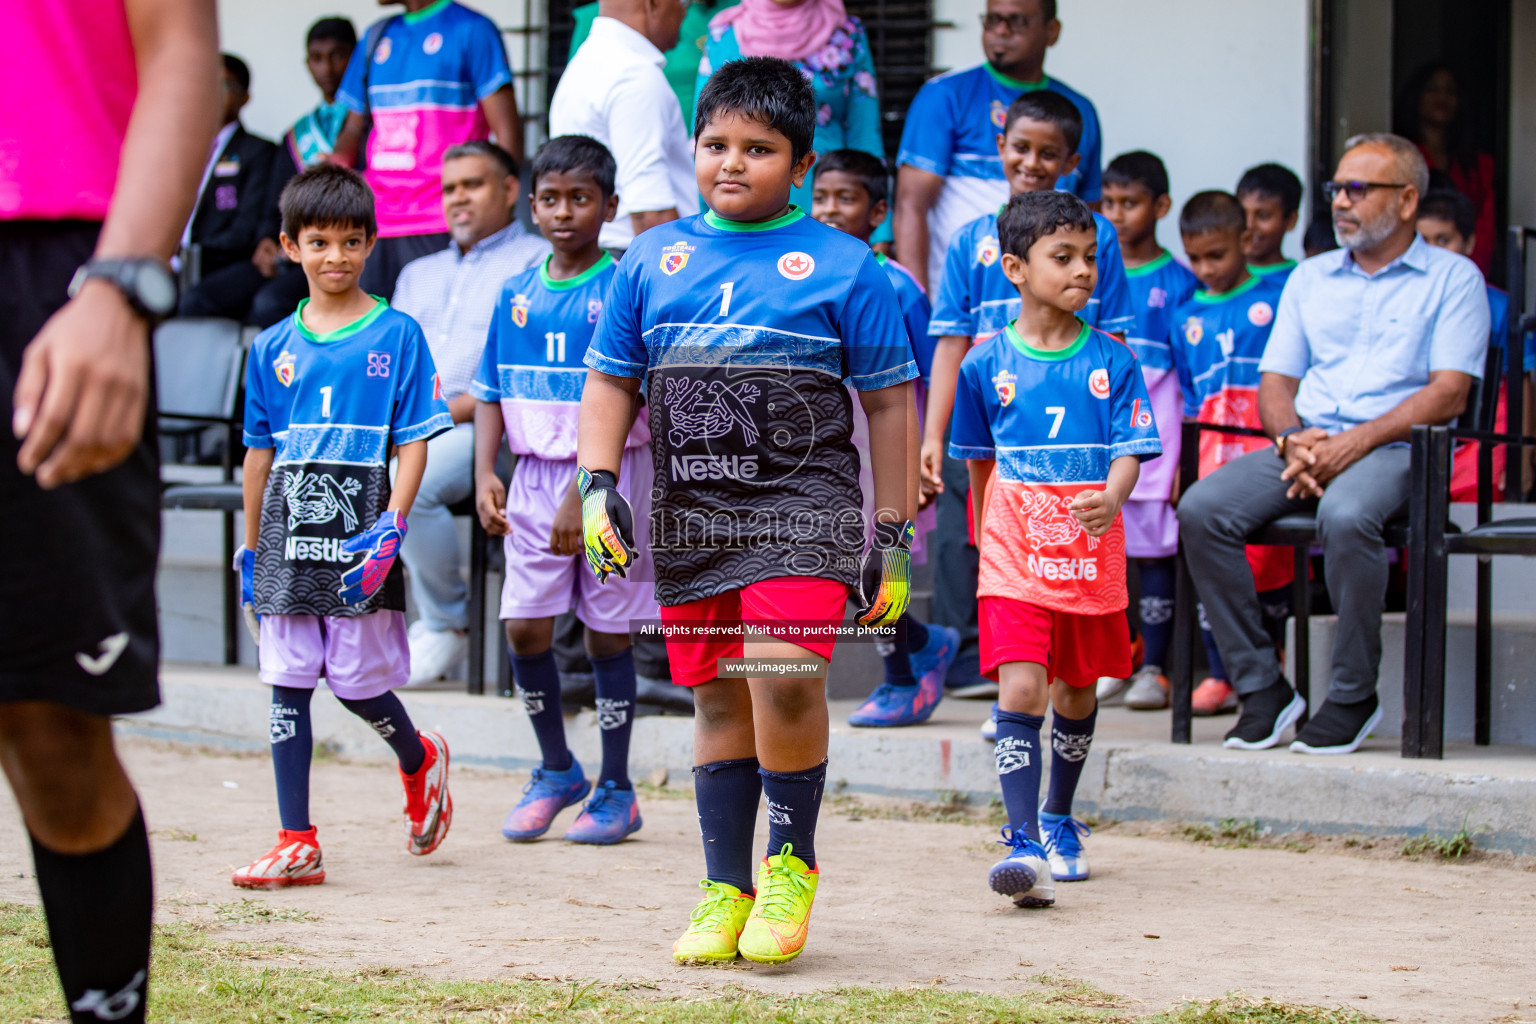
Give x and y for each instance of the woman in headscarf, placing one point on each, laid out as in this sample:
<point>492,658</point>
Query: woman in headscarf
<point>830,48</point>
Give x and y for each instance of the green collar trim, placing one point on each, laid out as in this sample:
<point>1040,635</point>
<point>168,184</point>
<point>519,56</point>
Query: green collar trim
<point>413,17</point>
<point>603,263</point>
<point>1014,83</point>
<point>881,258</point>
<point>1048,355</point>
<point>1272,268</point>
<point>1152,266</point>
<point>1247,286</point>
<point>339,333</point>
<point>714,220</point>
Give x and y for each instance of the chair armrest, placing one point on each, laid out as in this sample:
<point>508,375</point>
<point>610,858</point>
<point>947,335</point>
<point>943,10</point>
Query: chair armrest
<point>1189,451</point>
<point>1488,437</point>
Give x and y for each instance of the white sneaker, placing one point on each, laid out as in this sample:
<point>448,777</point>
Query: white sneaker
<point>434,653</point>
<point>1111,689</point>
<point>1148,691</point>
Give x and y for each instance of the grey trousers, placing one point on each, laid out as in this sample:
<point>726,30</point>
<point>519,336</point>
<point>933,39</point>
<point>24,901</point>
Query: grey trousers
<point>1219,511</point>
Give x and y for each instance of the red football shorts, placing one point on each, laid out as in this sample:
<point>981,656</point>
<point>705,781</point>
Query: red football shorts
<point>801,609</point>
<point>1077,649</point>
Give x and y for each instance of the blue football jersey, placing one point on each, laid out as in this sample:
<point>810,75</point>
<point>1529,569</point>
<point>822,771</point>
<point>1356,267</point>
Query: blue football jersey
<point>332,405</point>
<point>1157,289</point>
<point>915,311</point>
<point>1053,421</point>
<point>532,364</point>
<point>977,301</point>
<point>744,334</point>
<point>1277,272</point>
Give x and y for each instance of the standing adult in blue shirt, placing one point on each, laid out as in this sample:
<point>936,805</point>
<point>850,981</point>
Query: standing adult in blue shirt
<point>949,172</point>
<point>1383,333</point>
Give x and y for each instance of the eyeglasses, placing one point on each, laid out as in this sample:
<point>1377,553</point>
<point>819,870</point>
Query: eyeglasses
<point>1356,190</point>
<point>1016,23</point>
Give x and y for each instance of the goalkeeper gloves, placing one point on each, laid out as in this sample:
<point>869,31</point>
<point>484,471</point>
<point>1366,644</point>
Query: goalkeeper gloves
<point>245,565</point>
<point>607,524</point>
<point>379,544</point>
<point>885,585</point>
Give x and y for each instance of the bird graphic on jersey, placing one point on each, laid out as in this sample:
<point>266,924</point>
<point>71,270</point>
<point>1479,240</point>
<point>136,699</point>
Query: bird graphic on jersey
<point>1049,523</point>
<point>317,498</point>
<point>702,410</point>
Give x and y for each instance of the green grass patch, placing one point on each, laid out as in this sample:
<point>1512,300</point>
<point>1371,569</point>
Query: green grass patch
<point>1228,833</point>
<point>199,979</point>
<point>249,911</point>
<point>1458,845</point>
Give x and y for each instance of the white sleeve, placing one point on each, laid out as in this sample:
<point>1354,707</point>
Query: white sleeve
<point>641,110</point>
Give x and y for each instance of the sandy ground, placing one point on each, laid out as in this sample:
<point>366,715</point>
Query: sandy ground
<point>900,903</point>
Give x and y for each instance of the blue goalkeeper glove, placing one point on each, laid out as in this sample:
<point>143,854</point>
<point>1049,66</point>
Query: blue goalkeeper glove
<point>379,544</point>
<point>245,565</point>
<point>607,524</point>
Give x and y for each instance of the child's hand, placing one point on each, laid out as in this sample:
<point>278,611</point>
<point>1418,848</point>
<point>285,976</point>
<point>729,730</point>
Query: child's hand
<point>245,565</point>
<point>565,536</point>
<point>608,524</point>
<point>490,500</point>
<point>379,545</point>
<point>930,468</point>
<point>1095,510</point>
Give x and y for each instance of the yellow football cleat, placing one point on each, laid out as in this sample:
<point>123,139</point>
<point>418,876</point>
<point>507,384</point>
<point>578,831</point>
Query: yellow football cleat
<point>716,924</point>
<point>781,917</point>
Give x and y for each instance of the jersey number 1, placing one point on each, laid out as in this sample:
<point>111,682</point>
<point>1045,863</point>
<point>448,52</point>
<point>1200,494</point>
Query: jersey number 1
<point>325,401</point>
<point>725,297</point>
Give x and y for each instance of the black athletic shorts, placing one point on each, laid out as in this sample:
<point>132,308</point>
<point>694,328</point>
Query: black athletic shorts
<point>77,564</point>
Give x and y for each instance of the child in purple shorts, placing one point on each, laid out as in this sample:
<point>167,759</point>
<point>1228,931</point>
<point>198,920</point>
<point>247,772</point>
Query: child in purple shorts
<point>529,387</point>
<point>329,391</point>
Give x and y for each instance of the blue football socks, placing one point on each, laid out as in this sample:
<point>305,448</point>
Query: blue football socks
<point>1070,740</point>
<point>794,804</point>
<point>727,794</point>
<point>615,683</point>
<point>387,716</point>
<point>1156,610</point>
<point>293,745</point>
<point>539,679</point>
<point>1018,769</point>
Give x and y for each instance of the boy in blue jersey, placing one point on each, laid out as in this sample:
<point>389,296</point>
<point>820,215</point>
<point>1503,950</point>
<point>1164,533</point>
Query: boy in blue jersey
<point>529,388</point>
<point>850,195</point>
<point>1053,419</point>
<point>1135,199</point>
<point>744,323</point>
<point>329,391</point>
<point>1448,220</point>
<point>1217,338</point>
<point>1038,144</point>
<point>1271,198</point>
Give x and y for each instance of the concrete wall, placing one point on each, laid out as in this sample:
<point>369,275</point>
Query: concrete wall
<point>1211,86</point>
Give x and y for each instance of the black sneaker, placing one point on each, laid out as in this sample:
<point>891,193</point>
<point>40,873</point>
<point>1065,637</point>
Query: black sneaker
<point>1265,715</point>
<point>1338,728</point>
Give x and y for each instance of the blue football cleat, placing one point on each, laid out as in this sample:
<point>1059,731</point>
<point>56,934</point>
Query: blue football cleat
<point>609,816</point>
<point>546,795</point>
<point>891,706</point>
<point>1024,876</point>
<point>1062,836</point>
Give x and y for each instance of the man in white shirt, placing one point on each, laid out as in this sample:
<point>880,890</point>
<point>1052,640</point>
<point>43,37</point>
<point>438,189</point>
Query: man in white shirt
<point>614,89</point>
<point>452,294</point>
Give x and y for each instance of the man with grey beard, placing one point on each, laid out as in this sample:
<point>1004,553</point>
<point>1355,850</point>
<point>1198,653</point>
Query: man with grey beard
<point>1378,335</point>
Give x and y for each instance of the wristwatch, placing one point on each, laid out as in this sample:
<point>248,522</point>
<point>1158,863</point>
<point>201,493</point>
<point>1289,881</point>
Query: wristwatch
<point>145,282</point>
<point>1280,439</point>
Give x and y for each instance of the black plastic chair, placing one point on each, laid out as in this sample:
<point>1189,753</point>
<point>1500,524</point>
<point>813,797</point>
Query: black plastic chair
<point>1299,533</point>
<point>199,370</point>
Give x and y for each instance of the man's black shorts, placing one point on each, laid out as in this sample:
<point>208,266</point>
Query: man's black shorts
<point>77,564</point>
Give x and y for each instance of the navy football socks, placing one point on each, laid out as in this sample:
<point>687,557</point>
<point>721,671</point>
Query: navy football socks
<point>1018,769</point>
<point>1070,740</point>
<point>1156,610</point>
<point>615,683</point>
<point>387,716</point>
<point>293,744</point>
<point>896,655</point>
<point>539,679</point>
<point>794,803</point>
<point>727,794</point>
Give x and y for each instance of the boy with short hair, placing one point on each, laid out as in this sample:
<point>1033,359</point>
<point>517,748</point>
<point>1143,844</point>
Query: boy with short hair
<point>1135,199</point>
<point>1054,420</point>
<point>1217,339</point>
<point>850,194</point>
<point>529,387</point>
<point>1271,198</point>
<point>745,322</point>
<point>329,392</point>
<point>1038,145</point>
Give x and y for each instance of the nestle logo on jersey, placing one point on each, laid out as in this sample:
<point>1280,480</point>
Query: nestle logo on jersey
<point>1064,568</point>
<point>315,549</point>
<point>714,467</point>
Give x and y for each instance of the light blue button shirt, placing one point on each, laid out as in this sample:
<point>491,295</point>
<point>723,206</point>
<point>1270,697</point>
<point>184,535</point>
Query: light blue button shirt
<point>1362,343</point>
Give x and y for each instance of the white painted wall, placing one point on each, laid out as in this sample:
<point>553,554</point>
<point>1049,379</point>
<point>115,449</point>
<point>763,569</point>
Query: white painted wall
<point>1211,86</point>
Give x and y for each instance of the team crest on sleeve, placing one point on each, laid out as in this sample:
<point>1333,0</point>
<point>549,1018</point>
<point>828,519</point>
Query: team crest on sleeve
<point>1260,314</point>
<point>987,251</point>
<point>1006,385</point>
<point>1098,383</point>
<point>520,304</point>
<point>381,54</point>
<point>675,257</point>
<point>999,114</point>
<point>283,366</point>
<point>1141,418</point>
<point>1194,330</point>
<point>796,266</point>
